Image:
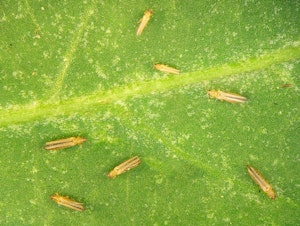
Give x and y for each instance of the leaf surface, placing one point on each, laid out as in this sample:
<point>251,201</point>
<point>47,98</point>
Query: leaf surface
<point>78,69</point>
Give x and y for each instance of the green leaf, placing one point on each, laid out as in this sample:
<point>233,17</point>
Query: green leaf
<point>71,68</point>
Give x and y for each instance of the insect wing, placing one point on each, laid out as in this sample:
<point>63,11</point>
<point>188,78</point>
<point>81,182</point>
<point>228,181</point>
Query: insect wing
<point>229,97</point>
<point>167,69</point>
<point>232,97</point>
<point>144,22</point>
<point>261,182</point>
<point>64,143</point>
<point>67,202</point>
<point>125,166</point>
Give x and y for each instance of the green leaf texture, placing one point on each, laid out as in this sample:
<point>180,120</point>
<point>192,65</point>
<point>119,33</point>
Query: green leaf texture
<point>77,68</point>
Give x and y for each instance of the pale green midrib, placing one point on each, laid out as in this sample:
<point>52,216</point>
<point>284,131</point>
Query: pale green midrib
<point>25,113</point>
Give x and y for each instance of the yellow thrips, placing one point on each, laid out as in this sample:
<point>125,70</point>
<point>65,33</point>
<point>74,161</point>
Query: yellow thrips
<point>287,85</point>
<point>229,97</point>
<point>167,69</point>
<point>125,166</point>
<point>144,21</point>
<point>262,183</point>
<point>67,202</point>
<point>64,143</point>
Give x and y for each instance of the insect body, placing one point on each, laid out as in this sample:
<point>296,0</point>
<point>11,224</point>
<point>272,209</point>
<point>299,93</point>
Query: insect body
<point>229,97</point>
<point>144,22</point>
<point>125,166</point>
<point>64,143</point>
<point>67,202</point>
<point>262,183</point>
<point>287,85</point>
<point>167,69</point>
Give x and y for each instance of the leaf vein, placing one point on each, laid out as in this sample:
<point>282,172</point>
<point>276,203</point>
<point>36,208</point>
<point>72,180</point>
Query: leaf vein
<point>53,108</point>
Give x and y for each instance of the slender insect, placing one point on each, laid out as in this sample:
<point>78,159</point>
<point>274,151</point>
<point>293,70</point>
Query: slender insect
<point>262,183</point>
<point>67,202</point>
<point>167,69</point>
<point>287,85</point>
<point>144,21</point>
<point>229,97</point>
<point>64,143</point>
<point>125,166</point>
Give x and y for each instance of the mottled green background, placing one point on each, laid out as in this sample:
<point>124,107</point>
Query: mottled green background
<point>70,68</point>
